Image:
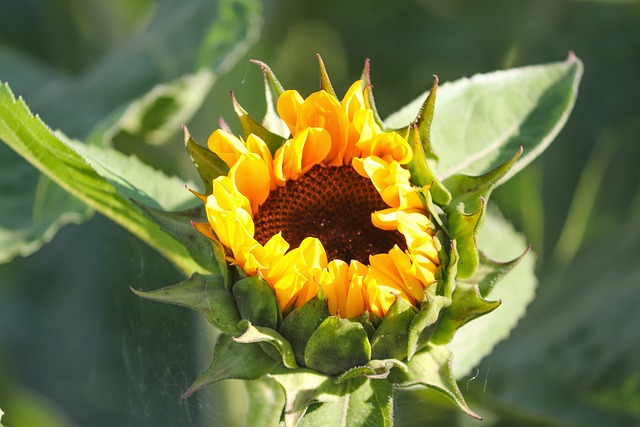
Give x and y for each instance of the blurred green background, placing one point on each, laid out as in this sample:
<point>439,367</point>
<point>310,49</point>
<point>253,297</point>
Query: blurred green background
<point>77,348</point>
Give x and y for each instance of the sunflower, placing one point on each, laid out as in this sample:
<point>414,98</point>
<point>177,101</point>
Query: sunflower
<point>332,209</point>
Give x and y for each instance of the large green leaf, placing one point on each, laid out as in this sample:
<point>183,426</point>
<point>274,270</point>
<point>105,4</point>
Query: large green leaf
<point>32,207</point>
<point>154,117</point>
<point>481,122</point>
<point>31,138</point>
<point>516,290</point>
<point>366,403</point>
<point>574,358</point>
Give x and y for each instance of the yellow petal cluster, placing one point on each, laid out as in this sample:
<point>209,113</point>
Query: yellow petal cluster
<point>330,133</point>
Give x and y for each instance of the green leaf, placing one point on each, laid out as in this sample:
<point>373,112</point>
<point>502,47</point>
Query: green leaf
<point>140,67</point>
<point>237,27</point>
<point>59,160</point>
<point>258,334</point>
<point>179,225</point>
<point>432,368</point>
<point>32,207</point>
<point>337,345</point>
<point>155,117</point>
<point>390,338</point>
<point>516,290</point>
<point>364,403</point>
<point>573,360</point>
<point>204,293</point>
<point>354,402</point>
<point>233,360</point>
<point>480,122</point>
<point>257,301</point>
<point>301,323</point>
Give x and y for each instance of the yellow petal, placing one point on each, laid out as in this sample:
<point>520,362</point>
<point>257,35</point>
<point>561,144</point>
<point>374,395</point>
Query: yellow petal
<point>355,305</point>
<point>256,145</point>
<point>227,146</point>
<point>251,177</point>
<point>385,272</point>
<point>423,269</point>
<point>378,298</point>
<point>334,282</point>
<point>353,100</point>
<point>322,110</point>
<point>296,156</point>
<point>288,107</point>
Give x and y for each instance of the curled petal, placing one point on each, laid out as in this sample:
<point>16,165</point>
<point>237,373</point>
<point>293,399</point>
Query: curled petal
<point>353,100</point>
<point>256,145</point>
<point>298,155</point>
<point>321,110</point>
<point>227,146</point>
<point>288,107</point>
<point>252,178</point>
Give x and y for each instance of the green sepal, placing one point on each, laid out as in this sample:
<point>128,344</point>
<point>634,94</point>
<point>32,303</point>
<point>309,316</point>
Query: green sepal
<point>232,360</point>
<point>431,368</point>
<point>179,225</point>
<point>470,194</point>
<point>464,228</point>
<point>467,304</point>
<point>367,321</point>
<point>325,82</point>
<point>375,369</point>
<point>421,173</point>
<point>424,120</point>
<point>369,101</point>
<point>390,339</point>
<point>208,164</point>
<point>257,301</point>
<point>469,190</point>
<point>436,213</point>
<point>250,126</point>
<point>302,322</point>
<point>337,346</point>
<point>490,271</point>
<point>257,334</point>
<point>447,280</point>
<point>424,323</point>
<point>272,91</point>
<point>204,293</point>
<point>354,402</point>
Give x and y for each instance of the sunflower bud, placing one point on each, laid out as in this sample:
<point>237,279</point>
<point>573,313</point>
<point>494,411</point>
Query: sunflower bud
<point>340,263</point>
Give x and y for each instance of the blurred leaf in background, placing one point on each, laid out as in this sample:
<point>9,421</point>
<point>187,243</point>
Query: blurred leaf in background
<point>85,351</point>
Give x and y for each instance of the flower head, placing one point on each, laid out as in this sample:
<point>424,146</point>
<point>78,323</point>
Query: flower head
<point>333,209</point>
<point>337,253</point>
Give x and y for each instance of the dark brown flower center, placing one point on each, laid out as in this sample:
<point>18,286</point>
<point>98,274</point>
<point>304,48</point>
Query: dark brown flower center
<point>333,204</point>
